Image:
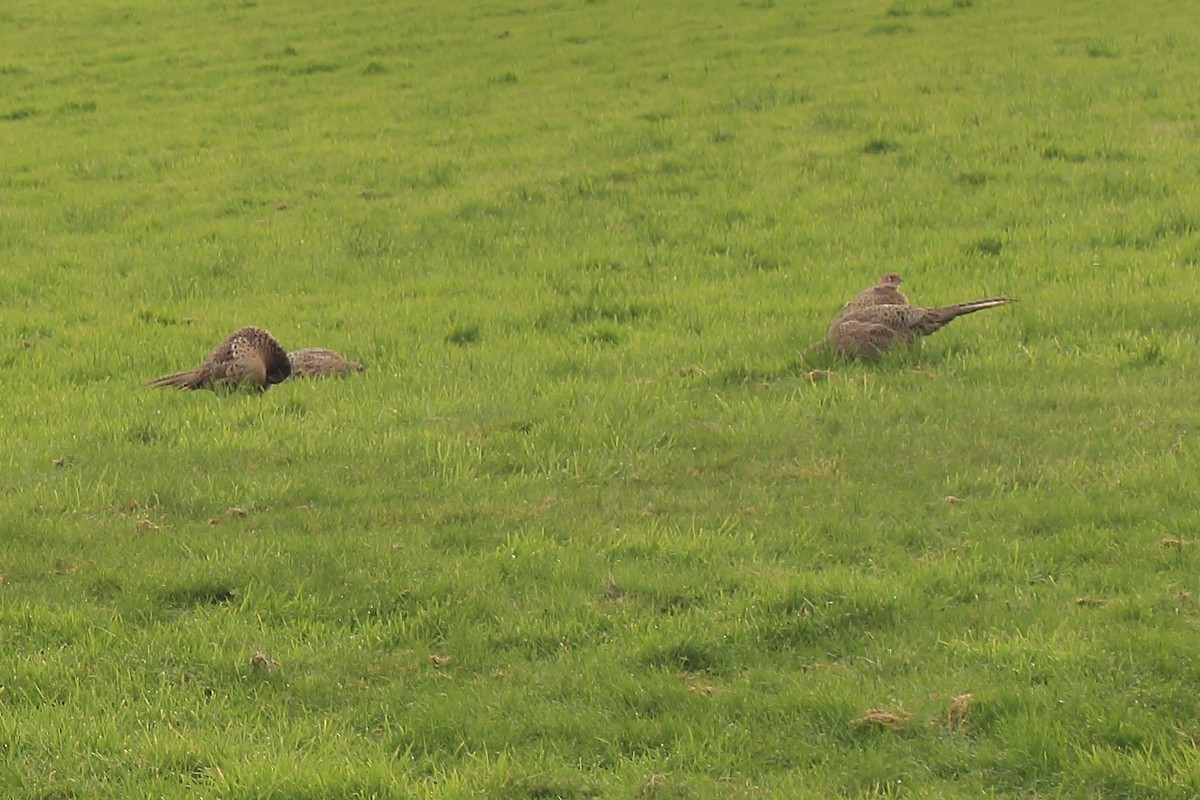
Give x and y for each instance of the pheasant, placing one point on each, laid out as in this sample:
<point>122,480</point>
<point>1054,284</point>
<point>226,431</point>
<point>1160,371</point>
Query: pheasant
<point>249,357</point>
<point>318,362</point>
<point>867,329</point>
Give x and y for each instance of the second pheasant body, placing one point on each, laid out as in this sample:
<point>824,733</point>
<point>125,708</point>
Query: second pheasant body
<point>320,362</point>
<point>880,318</point>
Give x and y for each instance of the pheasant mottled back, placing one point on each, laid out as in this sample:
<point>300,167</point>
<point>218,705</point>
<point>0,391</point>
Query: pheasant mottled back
<point>319,362</point>
<point>249,357</point>
<point>885,293</point>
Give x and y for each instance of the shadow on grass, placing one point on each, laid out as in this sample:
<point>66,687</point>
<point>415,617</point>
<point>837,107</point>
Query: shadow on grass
<point>818,362</point>
<point>196,594</point>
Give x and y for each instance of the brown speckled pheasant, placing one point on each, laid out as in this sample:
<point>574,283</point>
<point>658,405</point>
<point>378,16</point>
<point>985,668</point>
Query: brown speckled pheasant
<point>866,329</point>
<point>250,357</point>
<point>318,362</point>
<point>885,293</point>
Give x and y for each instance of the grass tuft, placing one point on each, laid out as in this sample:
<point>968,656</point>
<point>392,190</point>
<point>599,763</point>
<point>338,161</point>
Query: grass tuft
<point>876,147</point>
<point>464,335</point>
<point>17,114</point>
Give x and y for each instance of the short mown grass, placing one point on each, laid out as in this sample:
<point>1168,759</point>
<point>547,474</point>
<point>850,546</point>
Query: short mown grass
<point>597,521</point>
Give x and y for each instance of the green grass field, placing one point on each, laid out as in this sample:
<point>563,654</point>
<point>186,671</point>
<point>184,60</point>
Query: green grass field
<point>584,528</point>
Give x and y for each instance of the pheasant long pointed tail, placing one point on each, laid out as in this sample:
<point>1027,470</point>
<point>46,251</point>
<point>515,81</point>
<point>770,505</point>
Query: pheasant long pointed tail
<point>189,379</point>
<point>934,319</point>
<point>980,305</point>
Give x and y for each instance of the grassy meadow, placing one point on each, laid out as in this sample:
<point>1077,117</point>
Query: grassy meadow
<point>585,528</point>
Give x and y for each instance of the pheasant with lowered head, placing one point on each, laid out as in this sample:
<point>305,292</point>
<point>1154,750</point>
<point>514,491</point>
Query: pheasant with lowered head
<point>249,358</point>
